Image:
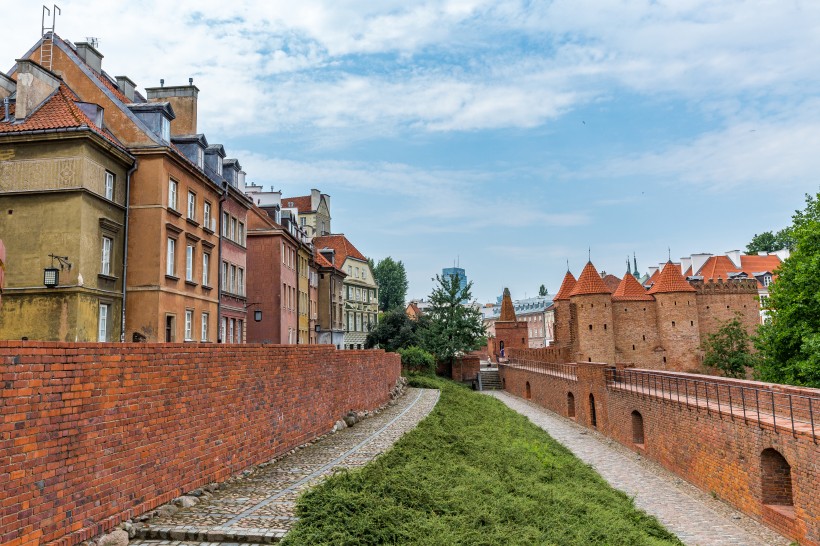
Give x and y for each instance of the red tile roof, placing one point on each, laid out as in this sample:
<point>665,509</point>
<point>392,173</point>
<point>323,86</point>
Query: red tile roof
<point>566,287</point>
<point>670,280</point>
<point>589,282</point>
<point>302,204</point>
<point>340,244</point>
<point>59,111</point>
<point>652,278</point>
<point>720,266</point>
<point>321,261</point>
<point>630,290</point>
<point>612,282</point>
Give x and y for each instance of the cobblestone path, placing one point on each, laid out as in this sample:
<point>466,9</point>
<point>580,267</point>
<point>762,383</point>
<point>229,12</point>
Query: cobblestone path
<point>694,516</point>
<point>259,507</point>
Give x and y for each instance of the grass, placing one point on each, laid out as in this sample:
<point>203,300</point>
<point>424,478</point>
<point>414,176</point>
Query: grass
<point>475,473</point>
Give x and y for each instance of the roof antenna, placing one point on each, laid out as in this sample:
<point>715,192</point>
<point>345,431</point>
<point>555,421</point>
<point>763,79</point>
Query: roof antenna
<point>669,250</point>
<point>162,82</point>
<point>589,254</point>
<point>567,265</point>
<point>190,81</point>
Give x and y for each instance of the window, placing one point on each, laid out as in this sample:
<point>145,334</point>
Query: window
<point>200,157</point>
<point>170,268</point>
<point>105,267</point>
<point>206,266</point>
<point>189,262</point>
<point>205,318</point>
<point>233,229</point>
<point>223,329</point>
<point>191,205</point>
<point>767,280</point>
<point>189,325</point>
<point>232,285</point>
<point>240,329</point>
<point>206,215</point>
<point>232,331</point>
<point>364,274</point>
<point>165,129</point>
<point>302,220</point>
<point>172,194</point>
<point>109,186</point>
<point>357,273</point>
<point>284,260</point>
<point>224,275</point>
<point>102,324</point>
<point>241,234</point>
<point>170,328</point>
<point>240,281</point>
<point>219,166</point>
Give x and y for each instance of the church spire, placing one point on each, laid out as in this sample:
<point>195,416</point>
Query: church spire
<point>628,266</point>
<point>637,275</point>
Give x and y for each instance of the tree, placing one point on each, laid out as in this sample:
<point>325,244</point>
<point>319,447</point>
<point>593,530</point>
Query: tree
<point>789,342</point>
<point>729,349</point>
<point>542,291</point>
<point>453,328</point>
<point>770,242</point>
<point>416,359</point>
<point>395,331</point>
<point>392,279</point>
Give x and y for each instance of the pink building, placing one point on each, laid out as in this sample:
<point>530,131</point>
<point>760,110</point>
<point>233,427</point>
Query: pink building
<point>2,269</point>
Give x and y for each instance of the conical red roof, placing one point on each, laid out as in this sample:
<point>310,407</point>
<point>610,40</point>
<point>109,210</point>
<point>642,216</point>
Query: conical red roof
<point>670,280</point>
<point>589,282</point>
<point>630,290</point>
<point>507,309</point>
<point>566,287</point>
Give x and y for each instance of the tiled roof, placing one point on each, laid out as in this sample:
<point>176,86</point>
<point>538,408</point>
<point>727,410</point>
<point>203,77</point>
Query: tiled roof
<point>612,282</point>
<point>507,310</point>
<point>302,204</point>
<point>720,266</point>
<point>589,282</point>
<point>652,278</point>
<point>321,261</point>
<point>59,111</point>
<point>670,280</point>
<point>630,290</point>
<point>566,287</point>
<point>340,244</point>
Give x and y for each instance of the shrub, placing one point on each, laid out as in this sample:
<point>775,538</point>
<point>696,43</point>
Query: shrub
<point>415,359</point>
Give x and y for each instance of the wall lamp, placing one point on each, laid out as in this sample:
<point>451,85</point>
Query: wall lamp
<point>51,275</point>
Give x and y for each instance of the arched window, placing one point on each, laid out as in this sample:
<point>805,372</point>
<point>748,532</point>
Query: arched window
<point>570,405</point>
<point>776,478</point>
<point>593,420</point>
<point>527,391</point>
<point>637,428</point>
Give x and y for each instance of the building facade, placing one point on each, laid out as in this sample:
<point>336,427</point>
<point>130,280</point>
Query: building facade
<point>313,210</point>
<point>63,186</point>
<point>330,301</point>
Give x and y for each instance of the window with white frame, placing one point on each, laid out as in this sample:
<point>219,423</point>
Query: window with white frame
<point>189,324</point>
<point>206,215</point>
<point>240,281</point>
<point>206,269</point>
<point>205,319</point>
<point>109,186</point>
<point>241,234</point>
<point>172,194</point>
<point>191,205</point>
<point>105,266</point>
<point>225,276</point>
<point>200,157</point>
<point>170,257</point>
<point>767,280</point>
<point>240,330</point>
<point>232,285</point>
<point>189,262</point>
<point>102,323</point>
<point>233,229</point>
<point>165,129</point>
<point>232,331</point>
<point>226,219</point>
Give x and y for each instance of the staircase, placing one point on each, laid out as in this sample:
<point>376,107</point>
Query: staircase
<point>490,380</point>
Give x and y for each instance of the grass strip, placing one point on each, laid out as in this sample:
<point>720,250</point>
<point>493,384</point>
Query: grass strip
<point>473,472</point>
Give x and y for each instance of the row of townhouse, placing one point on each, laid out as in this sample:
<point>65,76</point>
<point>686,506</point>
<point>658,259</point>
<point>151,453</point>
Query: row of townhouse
<point>122,222</point>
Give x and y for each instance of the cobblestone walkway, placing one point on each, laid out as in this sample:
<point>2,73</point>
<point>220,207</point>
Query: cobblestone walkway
<point>259,508</point>
<point>694,516</point>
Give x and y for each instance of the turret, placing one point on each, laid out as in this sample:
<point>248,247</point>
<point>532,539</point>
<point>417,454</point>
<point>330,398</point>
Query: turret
<point>592,302</point>
<point>677,319</point>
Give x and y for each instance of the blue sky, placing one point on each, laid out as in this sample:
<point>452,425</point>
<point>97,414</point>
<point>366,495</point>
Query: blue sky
<point>512,135</point>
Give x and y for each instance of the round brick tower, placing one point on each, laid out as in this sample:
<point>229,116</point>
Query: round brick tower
<point>591,301</point>
<point>677,319</point>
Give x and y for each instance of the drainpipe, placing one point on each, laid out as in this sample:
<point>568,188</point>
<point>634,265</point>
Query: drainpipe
<point>222,199</point>
<point>125,246</point>
<point>298,299</point>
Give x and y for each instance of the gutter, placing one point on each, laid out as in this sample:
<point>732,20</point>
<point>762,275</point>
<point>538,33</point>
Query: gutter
<point>125,248</point>
<point>222,199</point>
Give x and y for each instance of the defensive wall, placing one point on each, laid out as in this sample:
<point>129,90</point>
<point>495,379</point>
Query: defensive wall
<point>92,434</point>
<point>754,445</point>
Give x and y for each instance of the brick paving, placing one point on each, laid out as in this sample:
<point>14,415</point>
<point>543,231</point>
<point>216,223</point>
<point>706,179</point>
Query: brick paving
<point>694,516</point>
<point>259,507</point>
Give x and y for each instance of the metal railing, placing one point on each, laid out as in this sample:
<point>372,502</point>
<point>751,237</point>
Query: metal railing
<point>779,410</point>
<point>564,371</point>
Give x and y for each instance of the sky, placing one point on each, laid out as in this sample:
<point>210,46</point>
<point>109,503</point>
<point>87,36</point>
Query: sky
<point>514,138</point>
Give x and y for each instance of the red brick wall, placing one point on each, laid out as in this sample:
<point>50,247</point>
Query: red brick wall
<point>93,434</point>
<point>718,453</point>
<point>594,324</point>
<point>636,334</point>
<point>679,330</point>
<point>515,335</point>
<point>466,368</point>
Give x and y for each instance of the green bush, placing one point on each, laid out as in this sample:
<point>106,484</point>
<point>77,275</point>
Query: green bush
<point>415,359</point>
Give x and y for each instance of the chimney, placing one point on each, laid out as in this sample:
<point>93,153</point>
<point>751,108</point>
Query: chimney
<point>329,255</point>
<point>685,263</point>
<point>183,99</point>
<point>90,55</point>
<point>734,255</point>
<point>127,87</point>
<point>34,85</point>
<point>315,196</point>
<point>698,261</point>
<point>652,270</point>
<point>7,86</point>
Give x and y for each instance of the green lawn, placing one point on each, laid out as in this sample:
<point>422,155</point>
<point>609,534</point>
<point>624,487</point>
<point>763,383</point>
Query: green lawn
<point>473,472</point>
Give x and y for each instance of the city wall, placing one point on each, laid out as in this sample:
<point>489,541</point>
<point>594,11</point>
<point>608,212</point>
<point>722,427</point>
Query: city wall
<point>93,434</point>
<point>725,438</point>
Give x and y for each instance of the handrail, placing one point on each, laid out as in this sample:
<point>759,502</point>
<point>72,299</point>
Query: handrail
<point>768,407</point>
<point>565,371</point>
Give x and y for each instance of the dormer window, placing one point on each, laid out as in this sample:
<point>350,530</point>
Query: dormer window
<point>767,280</point>
<point>219,168</point>
<point>165,129</point>
<point>200,158</point>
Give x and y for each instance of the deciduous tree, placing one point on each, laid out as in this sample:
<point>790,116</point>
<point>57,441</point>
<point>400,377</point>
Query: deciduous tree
<point>392,279</point>
<point>729,349</point>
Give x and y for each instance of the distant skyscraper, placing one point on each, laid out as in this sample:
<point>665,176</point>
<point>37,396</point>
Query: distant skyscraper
<point>458,273</point>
